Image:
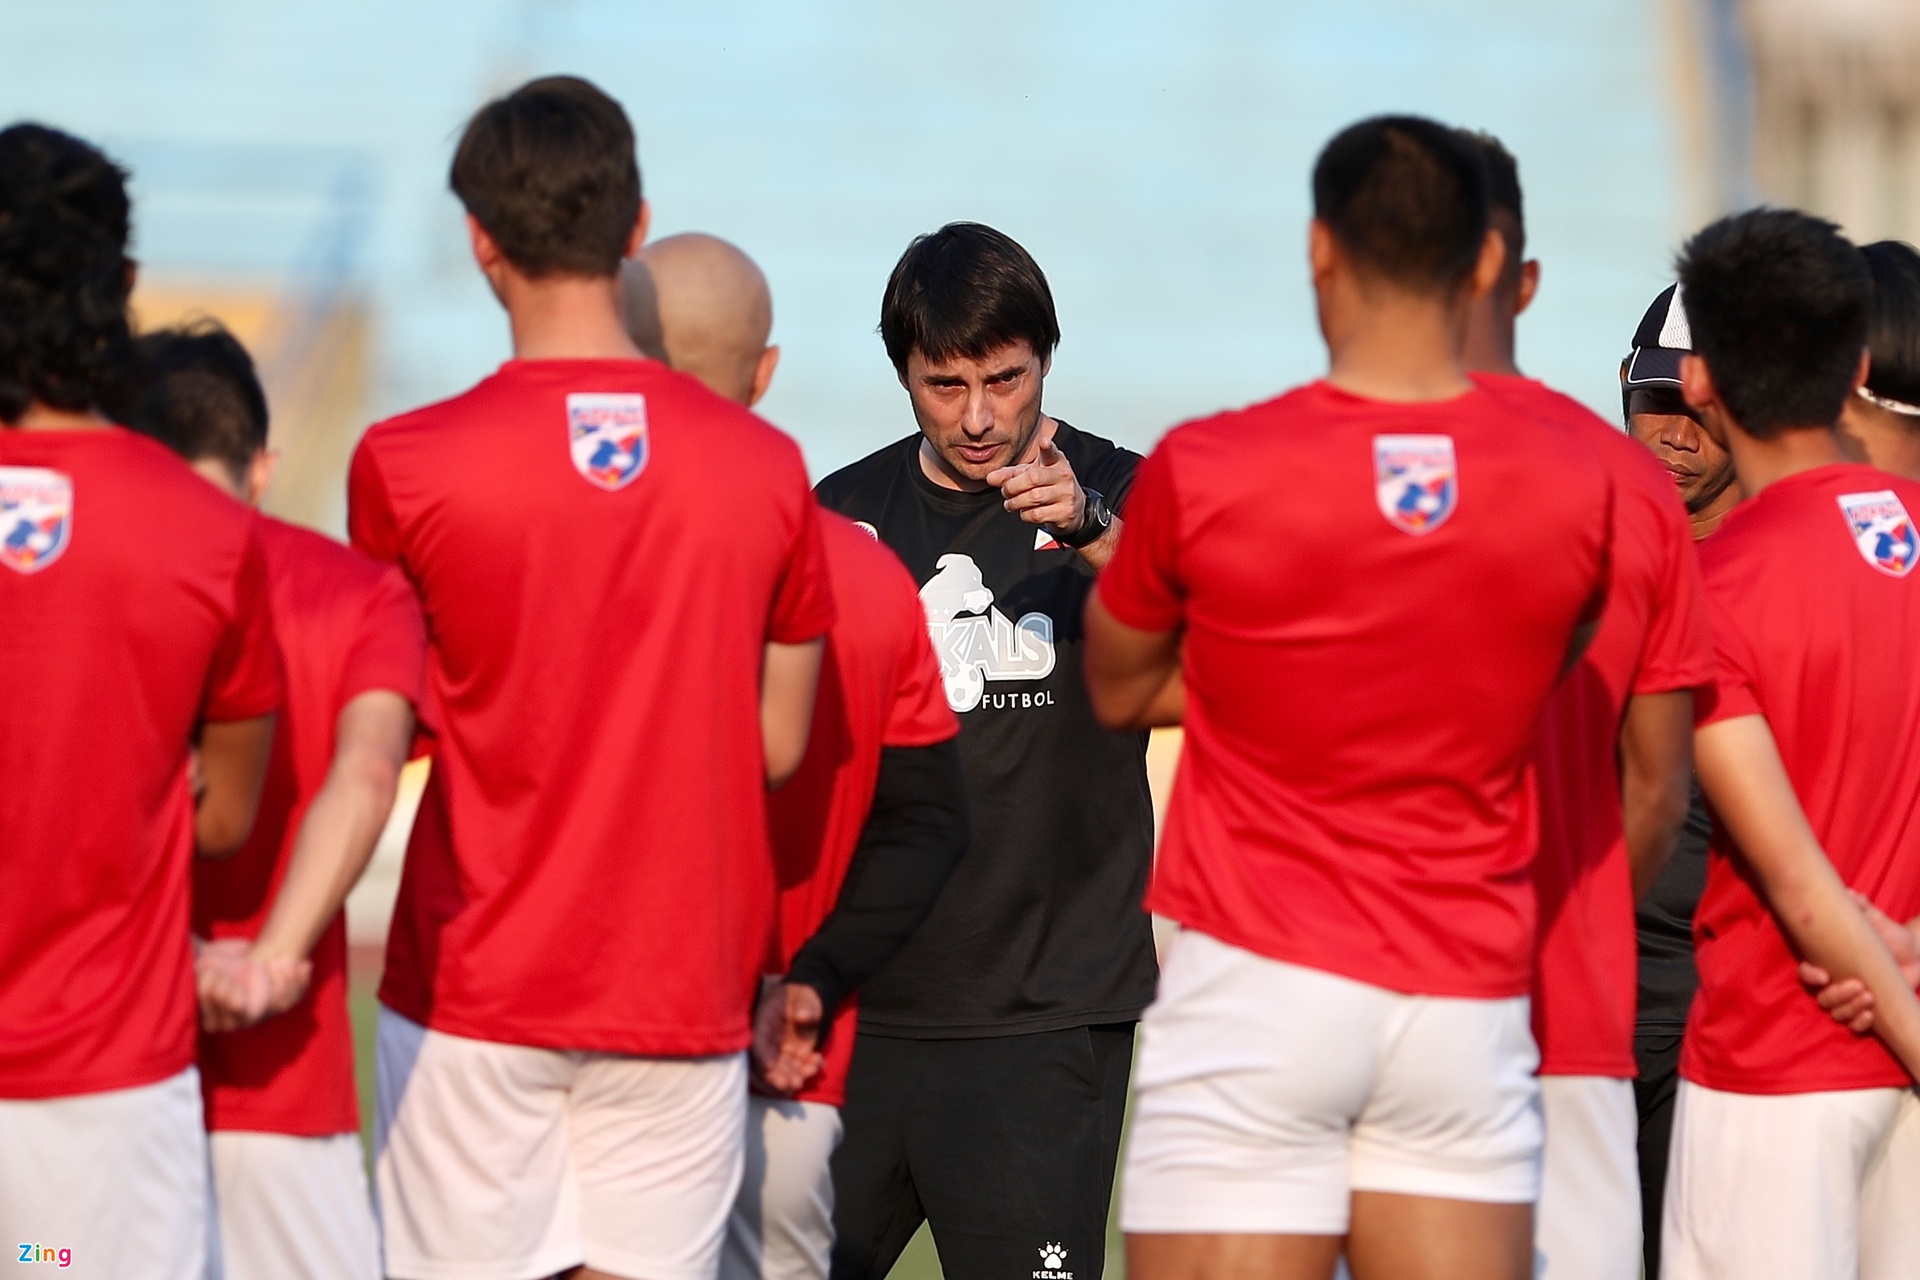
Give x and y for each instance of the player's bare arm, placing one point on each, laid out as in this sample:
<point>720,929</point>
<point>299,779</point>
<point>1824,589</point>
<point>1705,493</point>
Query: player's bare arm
<point>1133,677</point>
<point>1046,492</point>
<point>1656,767</point>
<point>1742,774</point>
<point>233,769</point>
<point>789,674</point>
<point>372,739</point>
<point>1850,1003</point>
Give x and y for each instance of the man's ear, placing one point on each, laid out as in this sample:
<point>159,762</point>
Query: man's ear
<point>763,374</point>
<point>260,474</point>
<point>1861,370</point>
<point>1323,251</point>
<point>1529,285</point>
<point>1493,260</point>
<point>1697,389</point>
<point>486,251</point>
<point>638,236</point>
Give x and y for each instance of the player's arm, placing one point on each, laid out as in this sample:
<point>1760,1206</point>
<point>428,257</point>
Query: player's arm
<point>1133,677</point>
<point>372,740</point>
<point>233,757</point>
<point>1656,771</point>
<point>1743,776</point>
<point>913,838</point>
<point>1849,1001</point>
<point>789,676</point>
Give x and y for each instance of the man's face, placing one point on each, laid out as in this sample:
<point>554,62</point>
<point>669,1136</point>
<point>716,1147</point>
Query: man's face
<point>977,415</point>
<point>1662,420</point>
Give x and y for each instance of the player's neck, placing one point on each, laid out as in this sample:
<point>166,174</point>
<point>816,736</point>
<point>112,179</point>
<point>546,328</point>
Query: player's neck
<point>1888,440</point>
<point>1490,343</point>
<point>1759,463</point>
<point>567,318</point>
<point>1389,344</point>
<point>40,417</point>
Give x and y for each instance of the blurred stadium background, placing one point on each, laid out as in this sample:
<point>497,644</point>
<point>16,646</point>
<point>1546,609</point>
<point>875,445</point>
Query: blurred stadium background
<point>289,164</point>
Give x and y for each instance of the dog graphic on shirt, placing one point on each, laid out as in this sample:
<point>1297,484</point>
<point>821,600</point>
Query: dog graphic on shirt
<point>975,641</point>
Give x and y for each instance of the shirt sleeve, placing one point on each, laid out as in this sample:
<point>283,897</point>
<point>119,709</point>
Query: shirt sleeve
<point>1141,586</point>
<point>245,680</point>
<point>919,715</point>
<point>1734,691</point>
<point>803,601</point>
<point>1678,650</point>
<point>388,651</point>
<point>1114,478</point>
<point>370,520</point>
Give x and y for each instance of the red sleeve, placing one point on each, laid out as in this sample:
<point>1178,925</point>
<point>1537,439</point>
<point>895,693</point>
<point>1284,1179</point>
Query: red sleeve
<point>370,520</point>
<point>1678,650</point>
<point>389,649</point>
<point>920,715</point>
<point>245,680</point>
<point>1733,692</point>
<point>803,602</point>
<point>1141,586</point>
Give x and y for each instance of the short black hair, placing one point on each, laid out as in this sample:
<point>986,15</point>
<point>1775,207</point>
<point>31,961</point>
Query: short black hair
<point>64,274</point>
<point>550,172</point>
<point>200,396</point>
<point>962,292</point>
<point>1407,198</point>
<point>1777,301</point>
<point>1893,321</point>
<point>1503,195</point>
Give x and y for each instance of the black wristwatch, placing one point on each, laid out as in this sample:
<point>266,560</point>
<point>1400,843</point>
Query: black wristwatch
<point>1094,522</point>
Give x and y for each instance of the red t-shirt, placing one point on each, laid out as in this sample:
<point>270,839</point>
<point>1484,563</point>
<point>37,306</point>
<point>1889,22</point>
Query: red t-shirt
<point>347,625</point>
<point>879,687</point>
<point>135,607</point>
<point>1653,638</point>
<point>1376,598</point>
<point>603,549</point>
<point>1816,623</point>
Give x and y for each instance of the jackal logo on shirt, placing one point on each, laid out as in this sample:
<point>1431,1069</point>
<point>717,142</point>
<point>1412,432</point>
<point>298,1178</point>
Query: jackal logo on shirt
<point>1882,530</point>
<point>36,517</point>
<point>607,435</point>
<point>974,641</point>
<point>1415,481</point>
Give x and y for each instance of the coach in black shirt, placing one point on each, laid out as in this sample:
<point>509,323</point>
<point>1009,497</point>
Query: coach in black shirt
<point>990,1080</point>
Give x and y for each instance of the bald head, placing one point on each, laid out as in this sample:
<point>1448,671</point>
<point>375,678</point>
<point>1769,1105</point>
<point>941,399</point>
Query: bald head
<point>701,306</point>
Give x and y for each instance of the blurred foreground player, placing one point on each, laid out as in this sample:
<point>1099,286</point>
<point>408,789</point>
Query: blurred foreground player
<point>622,661</point>
<point>868,830</point>
<point>1796,1145</point>
<point>290,1187</point>
<point>1614,766</point>
<point>1340,1046</point>
<point>991,1082</point>
<point>136,617</point>
<point>1881,421</point>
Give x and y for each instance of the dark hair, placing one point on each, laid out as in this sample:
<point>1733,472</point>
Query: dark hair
<point>550,172</point>
<point>64,273</point>
<point>1503,196</point>
<point>1777,301</point>
<point>1893,321</point>
<point>1407,198</point>
<point>199,396</point>
<point>963,291</point>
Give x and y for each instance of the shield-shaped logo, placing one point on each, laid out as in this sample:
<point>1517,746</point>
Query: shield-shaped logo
<point>36,517</point>
<point>1415,481</point>
<point>1882,530</point>
<point>607,435</point>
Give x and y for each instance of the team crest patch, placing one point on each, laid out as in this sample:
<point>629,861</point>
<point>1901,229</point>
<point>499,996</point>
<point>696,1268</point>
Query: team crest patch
<point>36,517</point>
<point>1415,481</point>
<point>1882,530</point>
<point>607,436</point>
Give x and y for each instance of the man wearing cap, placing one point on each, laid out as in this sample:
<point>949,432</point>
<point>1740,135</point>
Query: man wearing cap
<point>1660,418</point>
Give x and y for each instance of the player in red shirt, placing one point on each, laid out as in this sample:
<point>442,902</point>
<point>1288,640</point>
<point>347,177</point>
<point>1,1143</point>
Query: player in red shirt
<point>136,625</point>
<point>1340,1045</point>
<point>622,660</point>
<point>864,835</point>
<point>1796,1145</point>
<point>290,1188</point>
<point>1614,766</point>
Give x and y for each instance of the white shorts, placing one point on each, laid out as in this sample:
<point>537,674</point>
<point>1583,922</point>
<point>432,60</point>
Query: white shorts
<point>507,1162</point>
<point>782,1222</point>
<point>118,1178</point>
<point>1267,1093</point>
<point>292,1208</point>
<point>1794,1186</point>
<point>1587,1224</point>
